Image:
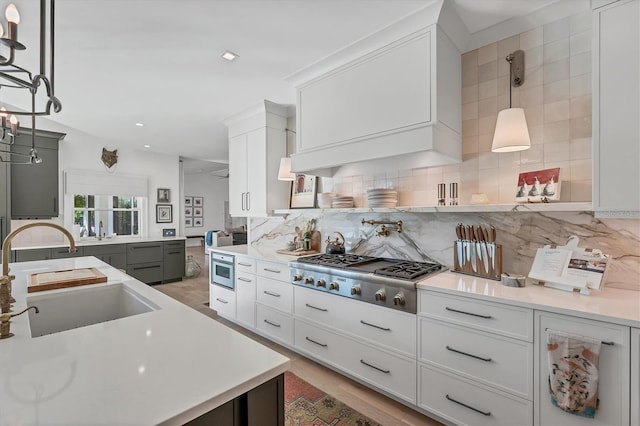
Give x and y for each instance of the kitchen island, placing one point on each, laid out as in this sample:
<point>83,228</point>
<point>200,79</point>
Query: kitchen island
<point>166,366</point>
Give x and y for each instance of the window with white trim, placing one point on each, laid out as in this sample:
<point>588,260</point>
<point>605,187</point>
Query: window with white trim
<point>109,214</point>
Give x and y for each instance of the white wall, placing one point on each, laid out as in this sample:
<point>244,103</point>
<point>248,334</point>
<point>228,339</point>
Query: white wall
<point>215,192</point>
<point>83,151</point>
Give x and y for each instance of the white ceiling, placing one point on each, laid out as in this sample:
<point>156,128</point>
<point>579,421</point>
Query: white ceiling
<point>158,62</point>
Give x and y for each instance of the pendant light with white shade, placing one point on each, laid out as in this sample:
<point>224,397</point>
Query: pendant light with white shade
<point>284,172</point>
<point>512,133</point>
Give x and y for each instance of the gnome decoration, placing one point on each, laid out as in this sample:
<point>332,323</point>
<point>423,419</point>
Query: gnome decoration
<point>109,158</point>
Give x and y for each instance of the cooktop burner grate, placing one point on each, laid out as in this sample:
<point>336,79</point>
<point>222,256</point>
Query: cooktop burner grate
<point>408,270</point>
<point>336,260</point>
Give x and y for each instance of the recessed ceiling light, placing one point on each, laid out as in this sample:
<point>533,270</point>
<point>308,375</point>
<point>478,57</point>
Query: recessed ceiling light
<point>229,56</point>
<point>140,124</point>
<point>147,146</point>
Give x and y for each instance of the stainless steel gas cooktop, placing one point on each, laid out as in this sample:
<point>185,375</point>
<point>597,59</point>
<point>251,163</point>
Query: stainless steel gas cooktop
<point>381,281</point>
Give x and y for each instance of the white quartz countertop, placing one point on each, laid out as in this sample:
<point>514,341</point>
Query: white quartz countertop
<point>609,304</point>
<point>257,253</point>
<point>92,241</point>
<point>166,366</point>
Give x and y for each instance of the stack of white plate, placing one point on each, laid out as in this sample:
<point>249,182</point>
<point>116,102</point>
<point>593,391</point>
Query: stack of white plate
<point>382,197</point>
<point>325,199</point>
<point>342,202</point>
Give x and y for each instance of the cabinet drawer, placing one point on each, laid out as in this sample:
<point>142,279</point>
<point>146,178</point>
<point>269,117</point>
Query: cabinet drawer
<point>246,299</point>
<point>318,342</point>
<point>101,249</point>
<point>144,252</point>
<point>32,254</point>
<point>444,394</point>
<point>382,326</point>
<point>495,360</point>
<point>273,270</point>
<point>63,252</point>
<point>223,301</point>
<point>275,294</point>
<point>245,264</point>
<point>274,324</point>
<point>148,273</point>
<point>497,318</point>
<point>174,245</point>
<point>174,264</point>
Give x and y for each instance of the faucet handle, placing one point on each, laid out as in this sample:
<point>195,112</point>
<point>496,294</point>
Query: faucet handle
<point>5,321</point>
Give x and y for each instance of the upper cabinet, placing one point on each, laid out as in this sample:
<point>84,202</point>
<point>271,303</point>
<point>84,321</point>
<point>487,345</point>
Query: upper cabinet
<point>34,187</point>
<point>257,141</point>
<point>394,93</point>
<point>616,109</point>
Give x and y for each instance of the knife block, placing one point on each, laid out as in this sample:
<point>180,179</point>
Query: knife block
<point>464,262</point>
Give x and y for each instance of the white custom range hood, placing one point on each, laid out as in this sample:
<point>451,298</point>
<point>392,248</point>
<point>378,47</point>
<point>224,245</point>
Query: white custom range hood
<point>390,100</point>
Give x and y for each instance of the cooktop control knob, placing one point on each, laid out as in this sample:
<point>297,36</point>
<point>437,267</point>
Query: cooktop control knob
<point>398,299</point>
<point>356,290</point>
<point>297,277</point>
<point>334,286</point>
<point>381,295</point>
<point>321,283</point>
<point>308,280</point>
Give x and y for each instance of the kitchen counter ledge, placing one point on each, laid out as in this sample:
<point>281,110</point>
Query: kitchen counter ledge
<point>167,366</point>
<point>81,242</point>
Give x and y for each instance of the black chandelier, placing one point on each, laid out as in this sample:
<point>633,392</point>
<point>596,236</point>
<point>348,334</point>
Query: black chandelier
<point>13,76</point>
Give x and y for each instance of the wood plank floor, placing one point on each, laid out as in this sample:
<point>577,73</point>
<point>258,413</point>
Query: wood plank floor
<point>195,293</point>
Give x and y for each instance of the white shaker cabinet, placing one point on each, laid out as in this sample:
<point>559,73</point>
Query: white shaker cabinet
<point>616,109</point>
<point>635,376</point>
<point>257,141</point>
<point>613,371</point>
<point>246,291</point>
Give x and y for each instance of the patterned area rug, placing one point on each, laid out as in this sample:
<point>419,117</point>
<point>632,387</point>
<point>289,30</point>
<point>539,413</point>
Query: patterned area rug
<point>306,405</point>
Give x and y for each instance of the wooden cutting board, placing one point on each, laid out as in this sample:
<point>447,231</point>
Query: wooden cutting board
<point>297,253</point>
<point>63,279</point>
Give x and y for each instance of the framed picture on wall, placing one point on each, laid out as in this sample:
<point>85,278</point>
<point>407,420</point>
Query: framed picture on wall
<point>164,213</point>
<point>188,201</point>
<point>188,222</point>
<point>197,201</point>
<point>197,211</point>
<point>198,222</point>
<point>188,211</point>
<point>540,186</point>
<point>164,195</point>
<point>303,191</point>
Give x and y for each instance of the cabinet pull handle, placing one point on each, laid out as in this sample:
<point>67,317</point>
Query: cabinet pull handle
<point>275,271</point>
<point>272,323</point>
<point>468,313</point>
<point>449,348</point>
<point>242,201</point>
<point>271,294</point>
<point>607,342</point>
<point>143,247</point>
<point>246,280</point>
<point>315,307</point>
<point>144,267</point>
<point>484,413</point>
<point>248,199</point>
<point>375,326</point>
<point>244,264</point>
<point>324,345</point>
<point>374,367</point>
<point>174,252</point>
<point>221,300</point>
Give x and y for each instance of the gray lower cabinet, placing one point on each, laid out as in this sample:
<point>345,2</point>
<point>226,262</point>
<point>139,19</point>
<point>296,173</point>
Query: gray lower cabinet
<point>173,260</point>
<point>144,261</point>
<point>113,254</point>
<point>63,252</point>
<point>31,254</point>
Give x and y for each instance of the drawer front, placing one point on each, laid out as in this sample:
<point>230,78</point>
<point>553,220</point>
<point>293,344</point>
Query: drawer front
<point>174,245</point>
<point>144,252</point>
<point>382,326</point>
<point>246,299</point>
<point>274,324</point>
<point>465,403</point>
<point>63,252</point>
<point>101,249</point>
<point>497,318</point>
<point>318,342</point>
<point>146,272</point>
<point>275,294</point>
<point>32,254</point>
<point>117,260</point>
<point>223,301</point>
<point>174,264</point>
<point>245,264</point>
<point>494,360</point>
<point>273,270</point>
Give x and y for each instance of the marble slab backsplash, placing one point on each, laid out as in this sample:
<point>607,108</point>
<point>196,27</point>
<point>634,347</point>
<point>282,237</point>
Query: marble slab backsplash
<point>430,236</point>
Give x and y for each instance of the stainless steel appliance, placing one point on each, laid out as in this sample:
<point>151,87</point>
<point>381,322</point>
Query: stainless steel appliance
<point>221,270</point>
<point>385,282</point>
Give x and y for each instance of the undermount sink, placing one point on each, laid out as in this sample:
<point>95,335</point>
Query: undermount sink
<point>76,308</point>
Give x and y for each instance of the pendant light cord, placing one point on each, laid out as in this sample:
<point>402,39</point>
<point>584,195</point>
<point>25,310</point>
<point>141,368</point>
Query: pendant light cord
<point>510,60</point>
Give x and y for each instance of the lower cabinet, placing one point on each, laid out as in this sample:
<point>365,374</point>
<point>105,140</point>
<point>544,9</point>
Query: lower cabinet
<point>275,324</point>
<point>613,371</point>
<point>223,301</point>
<point>263,405</point>
<point>63,252</point>
<point>173,260</point>
<point>144,261</point>
<point>113,254</point>
<point>32,254</point>
<point>246,299</point>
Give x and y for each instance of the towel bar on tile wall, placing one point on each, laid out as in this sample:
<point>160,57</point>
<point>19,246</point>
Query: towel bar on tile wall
<point>602,341</point>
